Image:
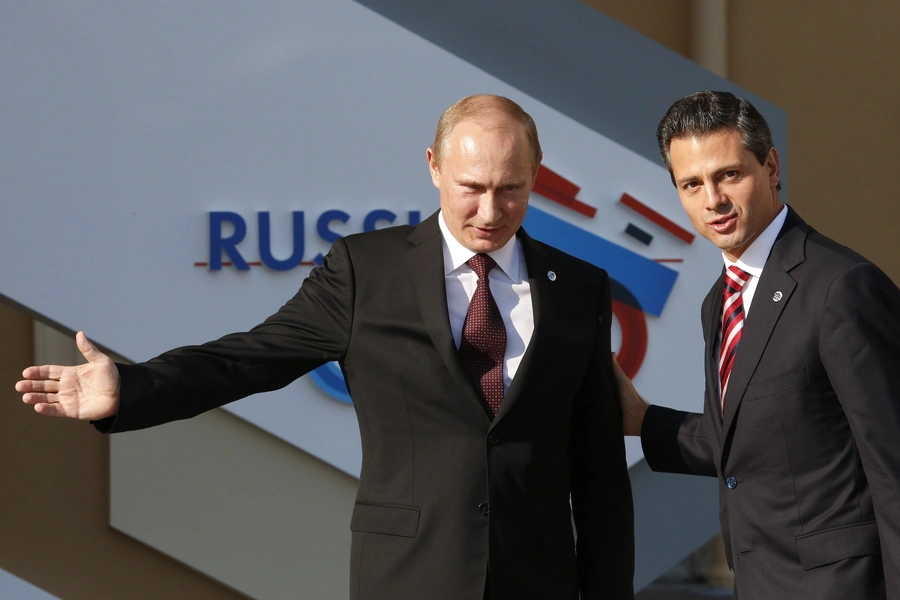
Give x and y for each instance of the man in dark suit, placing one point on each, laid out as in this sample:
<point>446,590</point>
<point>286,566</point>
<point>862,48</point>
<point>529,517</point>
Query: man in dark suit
<point>801,420</point>
<point>479,364</point>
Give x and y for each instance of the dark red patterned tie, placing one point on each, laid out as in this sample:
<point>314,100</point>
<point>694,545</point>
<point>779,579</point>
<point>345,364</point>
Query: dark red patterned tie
<point>483,341</point>
<point>732,324</point>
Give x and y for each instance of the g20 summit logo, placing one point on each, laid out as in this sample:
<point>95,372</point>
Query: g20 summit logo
<point>640,286</point>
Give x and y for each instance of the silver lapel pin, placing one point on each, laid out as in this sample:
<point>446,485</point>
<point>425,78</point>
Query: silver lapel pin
<point>551,275</point>
<point>777,296</point>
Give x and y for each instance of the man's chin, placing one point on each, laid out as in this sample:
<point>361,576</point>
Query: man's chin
<point>481,245</point>
<point>481,241</point>
<point>722,242</point>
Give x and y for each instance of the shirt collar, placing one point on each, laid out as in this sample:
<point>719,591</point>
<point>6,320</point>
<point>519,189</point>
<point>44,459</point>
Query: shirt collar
<point>456,255</point>
<point>753,259</point>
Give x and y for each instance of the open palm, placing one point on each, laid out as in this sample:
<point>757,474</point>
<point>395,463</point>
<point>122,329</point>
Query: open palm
<point>89,391</point>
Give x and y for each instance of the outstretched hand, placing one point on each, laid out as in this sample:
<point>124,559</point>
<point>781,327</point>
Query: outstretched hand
<point>89,391</point>
<point>633,406</point>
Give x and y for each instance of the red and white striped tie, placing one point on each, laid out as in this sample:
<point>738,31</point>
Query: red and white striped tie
<point>732,324</point>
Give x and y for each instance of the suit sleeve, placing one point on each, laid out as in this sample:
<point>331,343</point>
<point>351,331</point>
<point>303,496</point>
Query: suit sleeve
<point>309,330</point>
<point>601,489</point>
<point>674,441</point>
<point>859,342</point>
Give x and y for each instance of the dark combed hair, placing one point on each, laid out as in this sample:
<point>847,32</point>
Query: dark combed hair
<point>708,112</point>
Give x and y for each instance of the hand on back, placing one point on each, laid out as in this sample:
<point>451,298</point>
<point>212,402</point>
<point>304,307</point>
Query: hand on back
<point>633,406</point>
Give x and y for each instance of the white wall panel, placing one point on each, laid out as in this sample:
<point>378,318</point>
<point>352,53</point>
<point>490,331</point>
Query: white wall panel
<point>238,504</point>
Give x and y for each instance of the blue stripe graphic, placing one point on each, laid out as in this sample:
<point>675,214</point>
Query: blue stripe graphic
<point>649,282</point>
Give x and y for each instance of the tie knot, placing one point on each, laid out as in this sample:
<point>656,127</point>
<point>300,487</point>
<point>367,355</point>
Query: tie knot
<point>735,278</point>
<point>481,264</point>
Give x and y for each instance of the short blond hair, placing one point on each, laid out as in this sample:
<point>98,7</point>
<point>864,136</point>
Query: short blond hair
<point>479,104</point>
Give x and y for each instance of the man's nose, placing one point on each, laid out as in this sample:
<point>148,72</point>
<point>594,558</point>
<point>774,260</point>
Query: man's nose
<point>715,197</point>
<point>489,208</point>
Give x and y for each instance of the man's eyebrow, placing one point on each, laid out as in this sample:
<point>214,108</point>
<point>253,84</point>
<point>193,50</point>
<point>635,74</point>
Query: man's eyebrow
<point>468,181</point>
<point>731,167</point>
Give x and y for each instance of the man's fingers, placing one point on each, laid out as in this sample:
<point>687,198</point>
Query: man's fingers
<point>39,398</point>
<point>88,349</point>
<point>38,385</point>
<point>620,374</point>
<point>44,372</point>
<point>51,410</point>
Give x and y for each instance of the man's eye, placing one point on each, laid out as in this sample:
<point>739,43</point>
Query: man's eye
<point>691,185</point>
<point>730,174</point>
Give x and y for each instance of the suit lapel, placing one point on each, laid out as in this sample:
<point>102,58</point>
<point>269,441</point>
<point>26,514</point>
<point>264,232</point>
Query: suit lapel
<point>425,263</point>
<point>543,305</point>
<point>712,317</point>
<point>787,252</point>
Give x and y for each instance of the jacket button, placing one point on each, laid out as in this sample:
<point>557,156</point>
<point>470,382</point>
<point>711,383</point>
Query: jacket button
<point>484,509</point>
<point>731,482</point>
<point>493,438</point>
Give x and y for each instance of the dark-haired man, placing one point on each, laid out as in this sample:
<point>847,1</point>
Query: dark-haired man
<point>802,415</point>
<point>478,361</point>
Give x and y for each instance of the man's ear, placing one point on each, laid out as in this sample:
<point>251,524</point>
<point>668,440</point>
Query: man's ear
<point>537,169</point>
<point>433,167</point>
<point>773,165</point>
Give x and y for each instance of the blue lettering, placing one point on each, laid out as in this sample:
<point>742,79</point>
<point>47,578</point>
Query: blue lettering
<point>218,244</point>
<point>375,216</point>
<point>265,243</point>
<point>327,234</point>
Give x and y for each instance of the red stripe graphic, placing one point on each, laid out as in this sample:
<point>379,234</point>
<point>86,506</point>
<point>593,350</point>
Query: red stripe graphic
<point>554,186</point>
<point>228,263</point>
<point>646,211</point>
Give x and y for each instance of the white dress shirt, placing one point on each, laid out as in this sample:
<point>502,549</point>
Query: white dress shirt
<point>509,286</point>
<point>752,260</point>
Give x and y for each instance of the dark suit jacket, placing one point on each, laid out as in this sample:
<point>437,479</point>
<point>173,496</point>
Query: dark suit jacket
<point>808,452</point>
<point>449,502</point>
